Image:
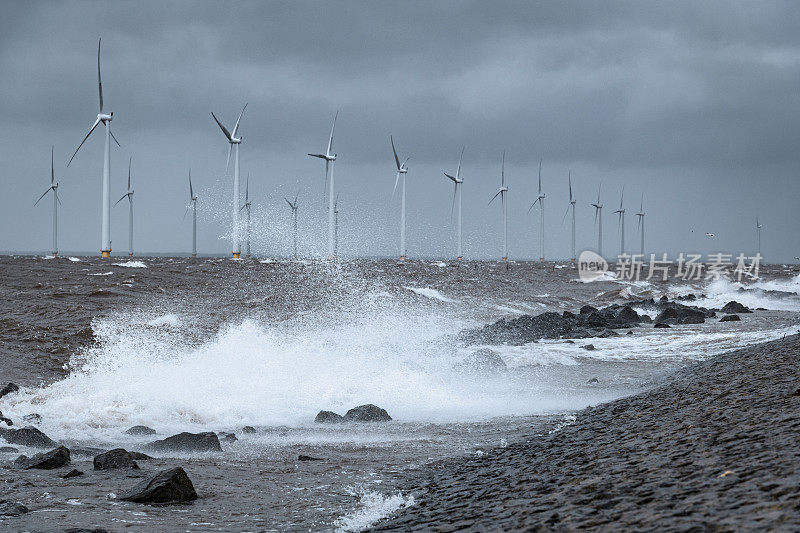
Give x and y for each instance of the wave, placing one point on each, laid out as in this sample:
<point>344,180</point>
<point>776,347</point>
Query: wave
<point>131,264</point>
<point>433,294</point>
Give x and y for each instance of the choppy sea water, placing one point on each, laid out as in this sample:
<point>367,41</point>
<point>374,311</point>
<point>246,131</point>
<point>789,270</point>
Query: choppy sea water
<point>214,345</point>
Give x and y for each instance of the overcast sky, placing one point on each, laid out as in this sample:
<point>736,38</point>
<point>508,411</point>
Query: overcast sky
<point>696,105</point>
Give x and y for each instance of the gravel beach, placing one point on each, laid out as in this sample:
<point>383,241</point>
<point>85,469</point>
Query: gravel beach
<point>716,447</point>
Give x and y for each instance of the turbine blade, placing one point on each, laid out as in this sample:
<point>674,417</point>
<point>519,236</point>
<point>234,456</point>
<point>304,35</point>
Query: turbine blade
<point>622,197</point>
<point>396,159</point>
<point>288,202</point>
<point>396,180</point>
<point>495,196</point>
<point>42,196</point>
<point>570,186</point>
<point>228,161</point>
<point>330,140</point>
<point>118,201</point>
<point>455,192</point>
<point>236,127</point>
<point>458,170</point>
<point>184,213</point>
<point>404,163</point>
<point>503,170</point>
<point>57,198</point>
<point>52,167</point>
<point>129,173</point>
<point>191,191</point>
<point>540,177</point>
<point>96,122</point>
<point>318,155</point>
<point>565,215</point>
<point>223,128</point>
<point>296,196</point>
<point>112,136</point>
<point>99,82</point>
<point>327,164</point>
<point>532,205</point>
<point>451,177</point>
<point>247,190</point>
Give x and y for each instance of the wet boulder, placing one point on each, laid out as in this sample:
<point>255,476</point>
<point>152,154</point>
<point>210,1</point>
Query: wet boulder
<point>225,436</point>
<point>681,315</point>
<point>328,417</point>
<point>188,442</point>
<point>308,458</point>
<point>140,430</point>
<point>730,318</point>
<point>588,347</point>
<point>735,307</point>
<point>45,461</point>
<point>139,456</point>
<point>249,430</point>
<point>168,486</point>
<point>27,436</point>
<point>8,389</point>
<point>115,459</point>
<point>661,325</point>
<point>6,421</point>
<point>8,449</point>
<point>367,413</point>
<point>587,310</point>
<point>11,508</point>
<point>33,418</point>
<point>72,473</point>
<point>483,361</point>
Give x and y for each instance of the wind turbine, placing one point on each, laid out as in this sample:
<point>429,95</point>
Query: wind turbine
<point>641,214</point>
<point>572,202</point>
<point>336,227</point>
<point>758,230</point>
<point>621,213</point>
<point>53,187</point>
<point>598,216</point>
<point>105,118</point>
<point>233,141</point>
<point>129,196</point>
<point>540,200</point>
<point>502,194</point>
<point>402,170</point>
<point>329,159</point>
<point>193,206</point>
<point>246,205</point>
<point>457,182</point>
<point>293,205</point>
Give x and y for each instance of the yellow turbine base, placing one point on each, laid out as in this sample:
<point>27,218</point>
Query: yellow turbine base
<point>505,259</point>
<point>459,258</point>
<point>236,255</point>
<point>402,258</point>
<point>105,253</point>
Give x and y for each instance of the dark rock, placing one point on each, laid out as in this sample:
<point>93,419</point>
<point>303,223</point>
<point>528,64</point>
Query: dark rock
<point>567,314</point>
<point>629,332</point>
<point>72,473</point>
<point>660,325</point>
<point>8,449</point>
<point>9,508</point>
<point>46,460</point>
<point>681,315</point>
<point>730,318</point>
<point>114,459</point>
<point>588,309</point>
<point>27,436</point>
<point>85,530</point>
<point>735,307</point>
<point>594,380</point>
<point>188,442</point>
<point>588,347</point>
<point>168,486</point>
<point>248,430</point>
<point>308,458</point>
<point>761,308</point>
<point>86,451</point>
<point>8,389</point>
<point>483,361</point>
<point>687,297</point>
<point>5,420</point>
<point>367,413</point>
<point>663,299</point>
<point>328,417</point>
<point>139,456</point>
<point>227,437</point>
<point>33,418</point>
<point>141,430</point>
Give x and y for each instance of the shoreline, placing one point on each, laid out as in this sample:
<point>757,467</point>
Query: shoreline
<point>713,447</point>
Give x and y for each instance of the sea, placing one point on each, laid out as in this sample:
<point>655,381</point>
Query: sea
<point>214,344</point>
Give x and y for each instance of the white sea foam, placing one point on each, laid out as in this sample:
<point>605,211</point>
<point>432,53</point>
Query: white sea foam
<point>169,320</point>
<point>131,264</point>
<point>73,259</point>
<point>785,298</point>
<point>433,294</point>
<point>100,274</point>
<point>372,507</point>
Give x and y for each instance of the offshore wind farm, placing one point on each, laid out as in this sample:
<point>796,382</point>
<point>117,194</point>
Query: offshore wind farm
<point>355,341</point>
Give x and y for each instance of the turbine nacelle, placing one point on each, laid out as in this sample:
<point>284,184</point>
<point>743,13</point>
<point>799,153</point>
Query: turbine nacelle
<point>105,117</point>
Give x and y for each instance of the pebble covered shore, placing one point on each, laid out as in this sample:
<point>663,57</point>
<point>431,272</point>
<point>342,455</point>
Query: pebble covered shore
<point>716,447</point>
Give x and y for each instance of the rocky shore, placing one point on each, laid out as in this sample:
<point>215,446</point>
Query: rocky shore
<point>713,448</point>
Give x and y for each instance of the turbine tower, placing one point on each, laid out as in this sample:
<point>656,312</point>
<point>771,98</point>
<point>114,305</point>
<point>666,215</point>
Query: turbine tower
<point>105,118</point>
<point>402,170</point>
<point>572,202</point>
<point>457,182</point>
<point>246,205</point>
<point>598,219</point>
<point>53,187</point>
<point>336,227</point>
<point>540,200</point>
<point>621,213</point>
<point>758,230</point>
<point>329,159</point>
<point>193,207</point>
<point>502,194</point>
<point>641,214</point>
<point>233,142</point>
<point>129,196</point>
<point>293,206</point>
